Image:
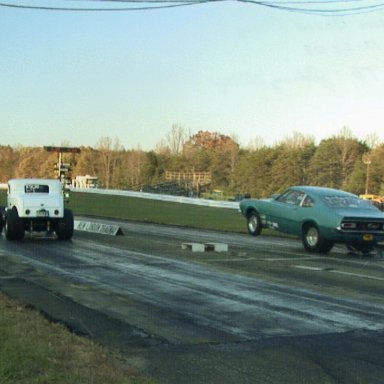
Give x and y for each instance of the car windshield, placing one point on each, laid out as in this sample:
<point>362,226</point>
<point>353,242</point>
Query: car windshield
<point>345,202</point>
<point>36,188</point>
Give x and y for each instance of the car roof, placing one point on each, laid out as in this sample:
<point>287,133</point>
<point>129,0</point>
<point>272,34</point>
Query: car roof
<point>321,191</point>
<point>17,185</point>
<point>33,181</point>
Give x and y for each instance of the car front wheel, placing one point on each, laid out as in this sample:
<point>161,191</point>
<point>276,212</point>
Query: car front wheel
<point>313,241</point>
<point>254,225</point>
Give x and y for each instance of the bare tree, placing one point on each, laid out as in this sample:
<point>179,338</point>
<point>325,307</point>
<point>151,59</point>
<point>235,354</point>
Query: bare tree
<point>372,141</point>
<point>345,133</point>
<point>256,143</point>
<point>297,140</point>
<point>108,150</point>
<point>174,140</point>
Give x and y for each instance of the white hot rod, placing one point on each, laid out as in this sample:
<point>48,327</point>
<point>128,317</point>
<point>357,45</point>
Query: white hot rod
<point>36,205</point>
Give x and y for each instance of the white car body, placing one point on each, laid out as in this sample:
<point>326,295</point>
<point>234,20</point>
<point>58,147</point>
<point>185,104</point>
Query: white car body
<point>36,197</point>
<point>36,205</point>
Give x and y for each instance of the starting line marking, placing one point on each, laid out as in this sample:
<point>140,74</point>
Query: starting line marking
<point>199,247</point>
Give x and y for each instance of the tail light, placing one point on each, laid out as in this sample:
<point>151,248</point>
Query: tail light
<point>348,225</point>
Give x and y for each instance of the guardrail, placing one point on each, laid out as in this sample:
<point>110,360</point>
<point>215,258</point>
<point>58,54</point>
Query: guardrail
<point>153,196</point>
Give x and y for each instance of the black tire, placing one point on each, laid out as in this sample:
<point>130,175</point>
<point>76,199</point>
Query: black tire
<point>254,224</point>
<point>1,219</point>
<point>313,241</point>
<point>14,226</point>
<point>64,229</point>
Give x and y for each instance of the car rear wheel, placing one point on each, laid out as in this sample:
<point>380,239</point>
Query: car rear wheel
<point>64,230</point>
<point>1,221</point>
<point>313,241</point>
<point>254,225</point>
<point>14,227</point>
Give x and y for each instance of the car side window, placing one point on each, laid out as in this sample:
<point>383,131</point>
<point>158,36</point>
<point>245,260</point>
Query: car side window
<point>292,197</point>
<point>307,202</point>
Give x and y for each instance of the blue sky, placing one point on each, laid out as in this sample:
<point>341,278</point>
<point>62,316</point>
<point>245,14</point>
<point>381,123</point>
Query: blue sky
<point>230,67</point>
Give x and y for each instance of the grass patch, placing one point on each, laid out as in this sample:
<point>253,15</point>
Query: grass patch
<point>155,211</point>
<point>35,351</point>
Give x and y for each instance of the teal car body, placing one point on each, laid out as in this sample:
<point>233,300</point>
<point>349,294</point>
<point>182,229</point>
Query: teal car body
<point>320,216</point>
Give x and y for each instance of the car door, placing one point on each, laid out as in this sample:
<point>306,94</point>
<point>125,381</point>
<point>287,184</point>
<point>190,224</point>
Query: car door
<point>284,212</point>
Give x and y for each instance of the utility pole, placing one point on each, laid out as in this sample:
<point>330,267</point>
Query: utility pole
<point>367,161</point>
<point>62,169</point>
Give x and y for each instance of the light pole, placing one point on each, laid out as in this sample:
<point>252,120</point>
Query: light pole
<point>367,161</point>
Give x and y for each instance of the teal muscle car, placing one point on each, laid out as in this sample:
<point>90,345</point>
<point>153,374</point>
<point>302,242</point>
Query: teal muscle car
<point>320,216</point>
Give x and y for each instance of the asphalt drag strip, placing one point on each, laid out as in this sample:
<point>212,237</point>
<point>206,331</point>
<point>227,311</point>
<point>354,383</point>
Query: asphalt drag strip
<point>180,321</point>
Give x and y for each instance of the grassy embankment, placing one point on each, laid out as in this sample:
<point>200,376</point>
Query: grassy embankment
<point>33,350</point>
<point>155,211</point>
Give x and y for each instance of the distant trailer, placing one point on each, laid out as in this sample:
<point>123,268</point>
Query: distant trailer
<point>86,181</point>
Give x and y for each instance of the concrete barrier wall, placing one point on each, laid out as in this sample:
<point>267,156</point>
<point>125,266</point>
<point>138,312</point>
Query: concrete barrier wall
<point>153,196</point>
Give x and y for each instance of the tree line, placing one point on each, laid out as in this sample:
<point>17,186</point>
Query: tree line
<point>341,161</point>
